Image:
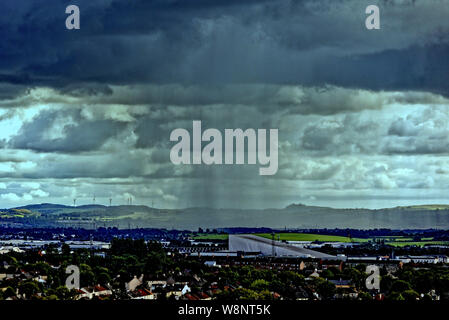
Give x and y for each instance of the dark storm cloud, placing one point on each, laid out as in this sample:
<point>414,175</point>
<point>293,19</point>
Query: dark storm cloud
<point>296,42</point>
<point>87,89</point>
<point>10,91</point>
<point>150,133</point>
<point>416,68</point>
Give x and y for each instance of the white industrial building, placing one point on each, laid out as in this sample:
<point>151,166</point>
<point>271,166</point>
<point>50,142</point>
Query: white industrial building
<point>252,243</point>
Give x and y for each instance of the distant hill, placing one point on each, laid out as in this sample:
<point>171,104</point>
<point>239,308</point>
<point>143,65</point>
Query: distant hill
<point>43,206</point>
<point>426,207</point>
<point>293,216</point>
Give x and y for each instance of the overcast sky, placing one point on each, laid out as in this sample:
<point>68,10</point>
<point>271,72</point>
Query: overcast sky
<point>362,114</point>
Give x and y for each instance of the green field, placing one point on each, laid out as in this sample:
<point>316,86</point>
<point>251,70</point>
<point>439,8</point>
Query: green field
<point>208,236</point>
<point>415,243</point>
<point>396,241</point>
<point>18,213</point>
<point>305,237</point>
<point>401,241</point>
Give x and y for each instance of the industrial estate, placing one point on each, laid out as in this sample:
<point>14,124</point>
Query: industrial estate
<point>229,263</point>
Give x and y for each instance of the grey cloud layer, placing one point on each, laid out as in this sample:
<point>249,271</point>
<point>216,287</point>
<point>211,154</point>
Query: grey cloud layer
<point>331,139</point>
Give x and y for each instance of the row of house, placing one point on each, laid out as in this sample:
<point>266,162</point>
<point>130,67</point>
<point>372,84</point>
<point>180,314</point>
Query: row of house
<point>89,293</point>
<point>431,259</point>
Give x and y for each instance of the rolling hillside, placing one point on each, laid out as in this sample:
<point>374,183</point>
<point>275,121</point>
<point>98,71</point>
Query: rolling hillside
<point>293,216</point>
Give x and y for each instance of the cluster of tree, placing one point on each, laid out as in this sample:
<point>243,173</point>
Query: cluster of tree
<point>127,258</point>
<point>382,249</point>
<point>253,283</point>
<point>410,283</point>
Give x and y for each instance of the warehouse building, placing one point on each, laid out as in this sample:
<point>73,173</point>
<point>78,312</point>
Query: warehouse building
<point>252,243</point>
